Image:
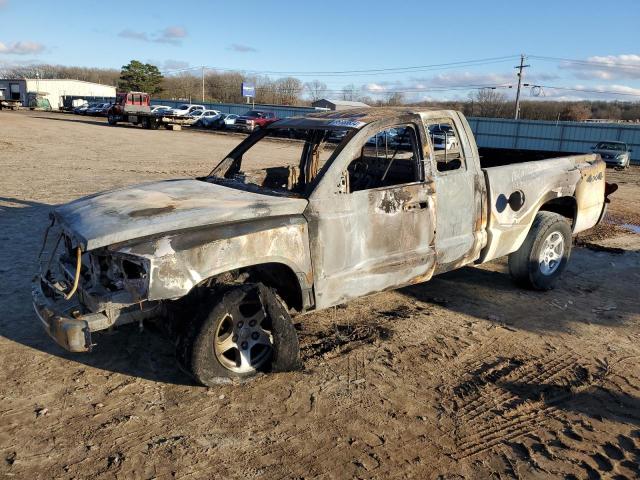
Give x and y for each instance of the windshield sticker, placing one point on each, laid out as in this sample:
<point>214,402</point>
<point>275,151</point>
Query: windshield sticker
<point>347,123</point>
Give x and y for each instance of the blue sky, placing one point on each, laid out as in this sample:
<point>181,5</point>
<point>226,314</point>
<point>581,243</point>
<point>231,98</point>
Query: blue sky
<point>299,36</point>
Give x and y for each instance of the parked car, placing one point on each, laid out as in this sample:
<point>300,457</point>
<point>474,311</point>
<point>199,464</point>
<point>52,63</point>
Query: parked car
<point>228,121</point>
<point>207,118</point>
<point>98,110</point>
<point>222,121</point>
<point>80,110</point>
<point>254,120</point>
<point>159,109</point>
<point>615,154</point>
<point>443,137</point>
<point>186,109</point>
<point>381,139</point>
<point>228,259</point>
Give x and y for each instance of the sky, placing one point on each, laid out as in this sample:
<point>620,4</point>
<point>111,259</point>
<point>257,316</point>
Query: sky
<point>425,49</point>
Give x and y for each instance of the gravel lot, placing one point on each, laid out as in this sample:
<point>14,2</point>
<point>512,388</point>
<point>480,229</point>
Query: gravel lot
<point>466,376</point>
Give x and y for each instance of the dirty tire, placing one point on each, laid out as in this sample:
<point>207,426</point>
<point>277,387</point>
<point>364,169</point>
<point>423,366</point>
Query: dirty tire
<point>145,122</point>
<point>198,356</point>
<point>525,265</point>
<point>112,120</point>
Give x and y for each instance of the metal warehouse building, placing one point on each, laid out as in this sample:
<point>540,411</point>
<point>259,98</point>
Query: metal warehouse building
<point>27,89</point>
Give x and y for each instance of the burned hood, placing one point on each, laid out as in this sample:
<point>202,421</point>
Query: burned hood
<point>161,207</point>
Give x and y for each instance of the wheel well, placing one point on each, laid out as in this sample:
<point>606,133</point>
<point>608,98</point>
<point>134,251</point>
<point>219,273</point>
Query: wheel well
<point>565,206</point>
<point>281,278</point>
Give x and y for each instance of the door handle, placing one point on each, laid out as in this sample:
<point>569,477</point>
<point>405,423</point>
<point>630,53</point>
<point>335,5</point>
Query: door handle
<point>407,207</point>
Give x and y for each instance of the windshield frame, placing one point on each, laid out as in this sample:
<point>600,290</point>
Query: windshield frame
<point>233,161</point>
<point>612,146</point>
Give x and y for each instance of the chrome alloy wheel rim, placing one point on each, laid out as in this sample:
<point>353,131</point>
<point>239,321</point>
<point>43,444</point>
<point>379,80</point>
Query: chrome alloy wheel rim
<point>551,253</point>
<point>243,341</point>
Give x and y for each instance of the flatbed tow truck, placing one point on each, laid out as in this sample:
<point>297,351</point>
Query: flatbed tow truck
<point>135,108</point>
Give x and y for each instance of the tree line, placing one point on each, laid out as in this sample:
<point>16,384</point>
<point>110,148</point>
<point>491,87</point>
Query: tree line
<point>226,87</point>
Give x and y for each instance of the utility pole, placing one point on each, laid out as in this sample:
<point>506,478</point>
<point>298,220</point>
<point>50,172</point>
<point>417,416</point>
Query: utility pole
<point>203,83</point>
<point>520,68</point>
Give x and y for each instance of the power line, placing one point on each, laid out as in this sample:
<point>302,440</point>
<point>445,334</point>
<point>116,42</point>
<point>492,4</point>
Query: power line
<point>584,90</point>
<point>424,89</point>
<point>364,72</point>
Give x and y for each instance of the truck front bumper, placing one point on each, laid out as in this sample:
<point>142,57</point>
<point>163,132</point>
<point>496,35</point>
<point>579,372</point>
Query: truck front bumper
<point>63,322</point>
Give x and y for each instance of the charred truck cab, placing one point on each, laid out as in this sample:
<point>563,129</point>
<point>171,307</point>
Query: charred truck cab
<point>359,201</point>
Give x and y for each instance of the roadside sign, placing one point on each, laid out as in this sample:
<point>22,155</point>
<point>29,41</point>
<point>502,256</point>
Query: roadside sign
<point>248,89</point>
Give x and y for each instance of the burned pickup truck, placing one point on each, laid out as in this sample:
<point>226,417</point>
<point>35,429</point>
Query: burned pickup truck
<point>352,203</point>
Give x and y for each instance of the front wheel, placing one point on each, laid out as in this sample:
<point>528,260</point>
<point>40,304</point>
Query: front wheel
<point>111,119</point>
<point>543,256</point>
<point>244,331</point>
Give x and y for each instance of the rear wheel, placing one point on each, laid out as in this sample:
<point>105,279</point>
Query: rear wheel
<point>111,119</point>
<point>543,256</point>
<point>242,332</point>
<point>145,122</point>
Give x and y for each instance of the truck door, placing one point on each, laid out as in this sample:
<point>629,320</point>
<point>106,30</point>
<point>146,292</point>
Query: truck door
<point>459,190</point>
<point>373,228</point>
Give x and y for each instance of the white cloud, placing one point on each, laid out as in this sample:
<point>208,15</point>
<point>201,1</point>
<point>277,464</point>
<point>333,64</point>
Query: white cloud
<point>172,35</point>
<point>589,92</point>
<point>375,88</point>
<point>174,65</point>
<point>240,48</point>
<point>128,33</point>
<point>608,67</point>
<point>22,48</point>
<point>460,79</point>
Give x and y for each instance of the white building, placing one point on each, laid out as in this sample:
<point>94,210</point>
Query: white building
<point>52,89</point>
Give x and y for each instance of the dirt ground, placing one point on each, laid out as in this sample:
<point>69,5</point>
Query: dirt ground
<point>466,376</point>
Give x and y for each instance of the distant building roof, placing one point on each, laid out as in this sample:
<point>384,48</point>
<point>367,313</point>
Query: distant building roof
<point>338,104</point>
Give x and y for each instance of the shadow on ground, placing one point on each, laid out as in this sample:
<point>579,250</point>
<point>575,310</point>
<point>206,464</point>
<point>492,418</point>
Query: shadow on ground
<point>596,402</point>
<point>581,295</point>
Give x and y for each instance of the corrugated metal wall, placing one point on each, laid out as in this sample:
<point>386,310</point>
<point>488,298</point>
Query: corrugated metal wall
<point>240,108</point>
<point>570,137</point>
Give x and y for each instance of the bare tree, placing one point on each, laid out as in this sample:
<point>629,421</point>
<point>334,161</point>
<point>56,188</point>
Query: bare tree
<point>350,92</point>
<point>105,76</point>
<point>395,99</point>
<point>489,103</point>
<point>576,112</point>
<point>316,89</point>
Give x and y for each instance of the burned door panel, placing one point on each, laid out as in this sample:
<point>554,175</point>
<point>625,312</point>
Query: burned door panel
<point>460,193</point>
<point>370,241</point>
<point>367,238</point>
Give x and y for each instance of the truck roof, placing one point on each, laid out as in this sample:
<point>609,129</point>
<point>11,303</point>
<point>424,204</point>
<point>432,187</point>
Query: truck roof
<point>351,118</point>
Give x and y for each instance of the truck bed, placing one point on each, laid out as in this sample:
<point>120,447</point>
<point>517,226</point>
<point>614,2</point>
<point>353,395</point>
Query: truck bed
<point>495,157</point>
<point>515,192</point>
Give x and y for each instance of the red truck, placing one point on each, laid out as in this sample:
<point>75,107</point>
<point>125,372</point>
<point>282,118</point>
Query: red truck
<point>135,107</point>
<point>254,120</point>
